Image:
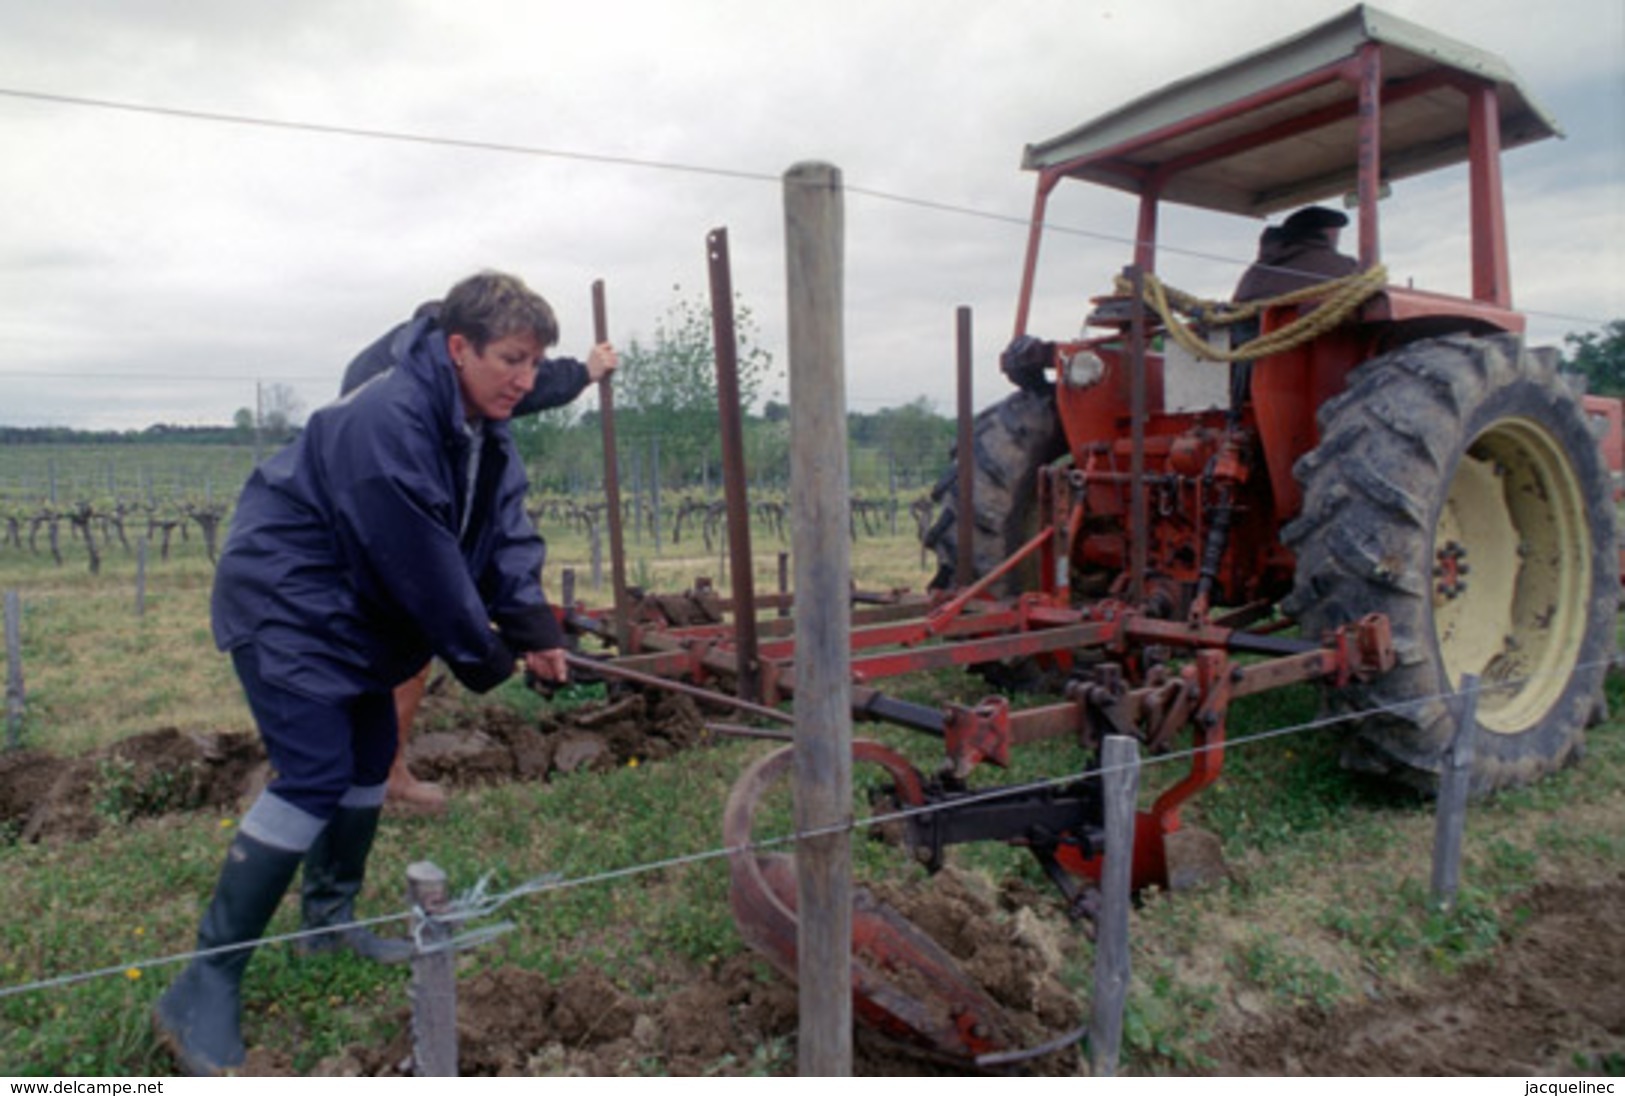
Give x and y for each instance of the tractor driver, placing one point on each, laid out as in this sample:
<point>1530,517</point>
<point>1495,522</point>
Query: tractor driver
<point>1300,251</point>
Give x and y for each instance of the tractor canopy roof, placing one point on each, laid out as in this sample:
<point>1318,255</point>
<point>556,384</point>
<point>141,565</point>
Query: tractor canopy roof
<point>1277,127</point>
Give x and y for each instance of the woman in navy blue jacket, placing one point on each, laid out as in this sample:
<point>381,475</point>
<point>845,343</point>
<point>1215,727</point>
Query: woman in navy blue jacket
<point>558,382</point>
<point>393,529</point>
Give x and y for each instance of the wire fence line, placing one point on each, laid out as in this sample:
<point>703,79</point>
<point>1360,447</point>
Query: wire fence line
<point>776,179</point>
<point>477,903</point>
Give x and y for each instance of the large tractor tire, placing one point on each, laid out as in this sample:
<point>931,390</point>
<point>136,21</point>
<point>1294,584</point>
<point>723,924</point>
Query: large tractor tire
<point>1458,490</point>
<point>1013,439</point>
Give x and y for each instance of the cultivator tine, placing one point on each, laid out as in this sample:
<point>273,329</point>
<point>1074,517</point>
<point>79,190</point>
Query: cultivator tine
<point>903,983</point>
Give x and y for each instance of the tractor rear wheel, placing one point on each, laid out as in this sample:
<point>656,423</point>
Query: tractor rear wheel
<point>1013,439</point>
<point>1458,490</point>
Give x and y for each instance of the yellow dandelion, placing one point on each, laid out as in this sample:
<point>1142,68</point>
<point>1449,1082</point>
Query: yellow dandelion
<point>132,973</point>
<point>225,823</point>
<point>632,763</point>
<point>139,930</point>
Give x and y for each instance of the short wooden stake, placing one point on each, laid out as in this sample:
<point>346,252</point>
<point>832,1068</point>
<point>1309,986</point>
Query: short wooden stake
<point>14,669</point>
<point>141,577</point>
<point>1455,780</point>
<point>434,977</point>
<point>597,545</point>
<point>1120,764</point>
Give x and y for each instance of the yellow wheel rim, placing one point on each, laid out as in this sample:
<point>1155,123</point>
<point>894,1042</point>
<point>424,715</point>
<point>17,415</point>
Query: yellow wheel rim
<point>1512,573</point>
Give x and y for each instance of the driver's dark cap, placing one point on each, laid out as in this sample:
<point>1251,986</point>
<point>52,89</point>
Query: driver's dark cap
<point>1312,219</point>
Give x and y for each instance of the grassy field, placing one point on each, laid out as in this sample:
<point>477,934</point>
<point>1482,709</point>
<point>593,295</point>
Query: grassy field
<point>1326,899</point>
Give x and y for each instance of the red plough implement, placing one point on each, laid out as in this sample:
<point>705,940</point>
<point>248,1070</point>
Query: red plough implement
<point>903,983</point>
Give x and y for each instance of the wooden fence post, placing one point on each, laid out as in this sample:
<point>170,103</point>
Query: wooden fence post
<point>1455,780</point>
<point>654,489</point>
<point>141,577</point>
<point>597,547</point>
<point>434,976</point>
<point>813,226</point>
<point>1120,780</point>
<point>14,669</point>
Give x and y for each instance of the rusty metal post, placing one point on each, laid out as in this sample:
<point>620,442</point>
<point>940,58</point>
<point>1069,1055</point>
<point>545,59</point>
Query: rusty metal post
<point>1368,151</point>
<point>965,533</point>
<point>612,478</point>
<point>813,226</point>
<point>434,976</point>
<point>726,342</point>
<point>1136,360</point>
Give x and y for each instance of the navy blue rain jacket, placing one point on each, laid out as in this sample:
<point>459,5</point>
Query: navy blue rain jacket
<point>344,564</point>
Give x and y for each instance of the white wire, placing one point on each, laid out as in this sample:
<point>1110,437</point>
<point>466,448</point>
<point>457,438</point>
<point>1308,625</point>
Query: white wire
<point>477,902</point>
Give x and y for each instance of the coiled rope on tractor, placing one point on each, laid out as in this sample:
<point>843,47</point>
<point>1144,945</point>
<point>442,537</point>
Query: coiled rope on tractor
<point>1338,299</point>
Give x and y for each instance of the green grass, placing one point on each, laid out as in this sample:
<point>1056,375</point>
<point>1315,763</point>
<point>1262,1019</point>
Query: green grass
<point>1327,897</point>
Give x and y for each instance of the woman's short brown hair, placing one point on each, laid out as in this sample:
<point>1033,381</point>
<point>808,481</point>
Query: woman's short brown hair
<point>492,305</point>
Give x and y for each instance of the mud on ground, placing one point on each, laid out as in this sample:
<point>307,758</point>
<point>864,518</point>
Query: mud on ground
<point>1556,985</point>
<point>735,1017</point>
<point>48,798</point>
<point>1553,987</point>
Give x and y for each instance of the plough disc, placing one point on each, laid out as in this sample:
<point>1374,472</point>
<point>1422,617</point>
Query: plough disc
<point>903,983</point>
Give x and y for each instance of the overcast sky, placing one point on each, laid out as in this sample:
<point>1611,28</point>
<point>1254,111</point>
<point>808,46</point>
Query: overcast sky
<point>157,266</point>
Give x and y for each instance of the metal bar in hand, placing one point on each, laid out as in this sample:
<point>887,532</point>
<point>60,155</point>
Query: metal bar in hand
<point>637,677</point>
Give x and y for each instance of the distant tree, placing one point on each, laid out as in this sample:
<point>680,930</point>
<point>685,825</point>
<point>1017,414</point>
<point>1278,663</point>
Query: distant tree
<point>668,388</point>
<point>767,451</point>
<point>1599,357</point>
<point>243,422</point>
<point>556,448</point>
<point>280,410</point>
<point>916,437</point>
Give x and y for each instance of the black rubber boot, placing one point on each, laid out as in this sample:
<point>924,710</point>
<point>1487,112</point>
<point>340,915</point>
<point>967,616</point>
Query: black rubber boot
<point>198,1017</point>
<point>334,868</point>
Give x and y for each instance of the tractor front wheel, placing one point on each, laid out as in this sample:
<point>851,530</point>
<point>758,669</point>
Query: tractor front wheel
<point>1012,439</point>
<point>1458,490</point>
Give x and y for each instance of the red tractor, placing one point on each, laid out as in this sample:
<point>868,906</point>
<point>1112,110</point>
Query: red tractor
<point>1396,452</point>
<point>1391,494</point>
